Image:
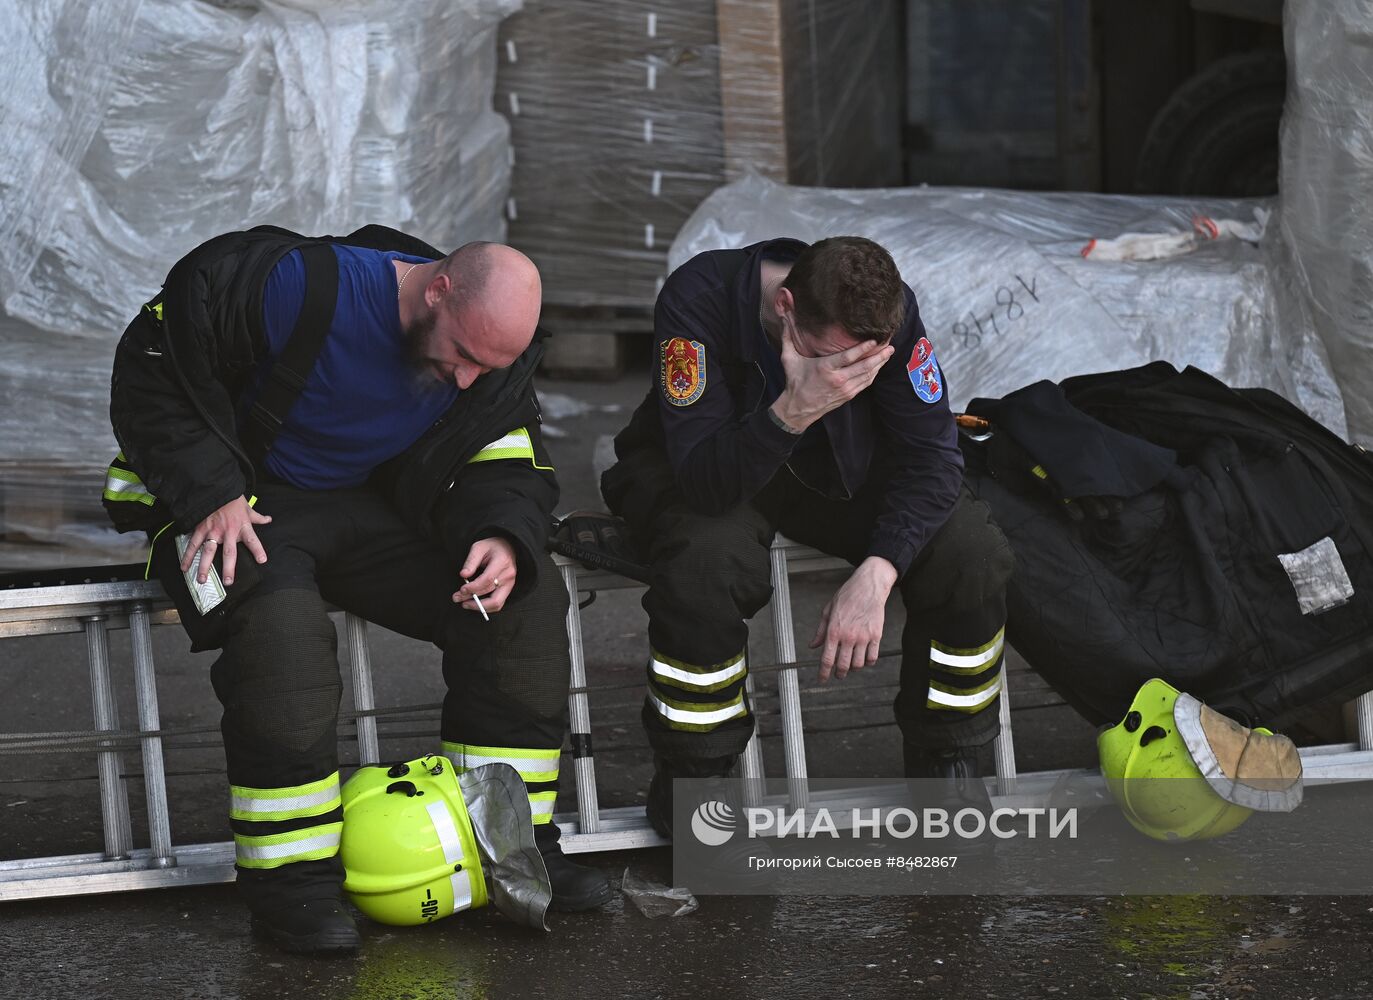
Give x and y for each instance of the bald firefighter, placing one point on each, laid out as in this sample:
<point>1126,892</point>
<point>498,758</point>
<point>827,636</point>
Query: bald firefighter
<point>307,422</point>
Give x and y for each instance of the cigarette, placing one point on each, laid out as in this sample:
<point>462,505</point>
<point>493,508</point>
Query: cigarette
<point>480,606</point>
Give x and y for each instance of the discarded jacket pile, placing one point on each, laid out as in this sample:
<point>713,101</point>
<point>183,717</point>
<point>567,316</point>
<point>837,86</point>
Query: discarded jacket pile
<point>1166,525</point>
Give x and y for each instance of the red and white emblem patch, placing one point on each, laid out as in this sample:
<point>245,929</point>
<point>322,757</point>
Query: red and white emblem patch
<point>926,378</point>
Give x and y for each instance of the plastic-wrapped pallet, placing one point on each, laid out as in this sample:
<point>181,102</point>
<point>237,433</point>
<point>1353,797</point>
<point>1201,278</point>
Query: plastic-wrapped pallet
<point>1326,176</point>
<point>625,114</point>
<point>134,129</point>
<point>1009,298</point>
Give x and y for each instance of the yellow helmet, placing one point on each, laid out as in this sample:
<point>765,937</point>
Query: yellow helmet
<point>1181,771</point>
<point>408,847</point>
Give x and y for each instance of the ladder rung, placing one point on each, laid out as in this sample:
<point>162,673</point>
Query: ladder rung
<point>97,607</point>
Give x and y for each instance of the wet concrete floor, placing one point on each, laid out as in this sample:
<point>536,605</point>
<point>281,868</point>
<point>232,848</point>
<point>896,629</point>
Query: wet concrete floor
<point>193,943</point>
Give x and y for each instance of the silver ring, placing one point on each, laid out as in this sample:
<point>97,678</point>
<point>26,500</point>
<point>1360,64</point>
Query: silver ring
<point>212,541</point>
<point>497,583</point>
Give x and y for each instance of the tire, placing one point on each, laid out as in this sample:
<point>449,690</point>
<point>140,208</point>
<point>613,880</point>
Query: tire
<point>1218,133</point>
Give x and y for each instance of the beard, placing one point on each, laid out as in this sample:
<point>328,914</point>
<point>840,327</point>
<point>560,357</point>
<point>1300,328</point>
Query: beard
<point>417,338</point>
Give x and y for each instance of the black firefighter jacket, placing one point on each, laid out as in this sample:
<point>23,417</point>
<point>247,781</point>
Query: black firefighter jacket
<point>183,362</point>
<point>1238,567</point>
<point>722,446</point>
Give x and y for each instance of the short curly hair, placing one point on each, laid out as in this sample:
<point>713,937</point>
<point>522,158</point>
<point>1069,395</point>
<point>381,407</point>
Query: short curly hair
<point>851,281</point>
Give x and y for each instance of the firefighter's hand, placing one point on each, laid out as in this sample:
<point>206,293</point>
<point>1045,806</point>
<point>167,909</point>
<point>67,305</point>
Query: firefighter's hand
<point>220,534</point>
<point>490,574</point>
<point>851,624</point>
<point>815,386</point>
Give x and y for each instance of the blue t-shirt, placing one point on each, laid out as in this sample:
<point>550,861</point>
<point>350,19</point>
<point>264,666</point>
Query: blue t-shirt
<point>363,403</point>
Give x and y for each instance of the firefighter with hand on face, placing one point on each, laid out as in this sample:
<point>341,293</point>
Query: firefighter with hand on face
<point>796,391</point>
<point>306,422</point>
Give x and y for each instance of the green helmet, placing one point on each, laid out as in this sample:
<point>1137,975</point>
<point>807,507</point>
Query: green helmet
<point>1181,771</point>
<point>408,848</point>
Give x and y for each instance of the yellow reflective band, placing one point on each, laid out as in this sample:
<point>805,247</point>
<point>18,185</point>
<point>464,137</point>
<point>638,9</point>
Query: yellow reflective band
<point>972,660</point>
<point>154,308</point>
<point>963,700</point>
<point>532,765</point>
<point>516,444</point>
<point>314,843</point>
<point>690,677</point>
<point>121,484</point>
<point>697,716</point>
<point>541,806</point>
<point>264,805</point>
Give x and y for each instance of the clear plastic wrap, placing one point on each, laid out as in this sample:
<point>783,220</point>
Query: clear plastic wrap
<point>135,130</point>
<point>626,115</point>
<point>1326,214</point>
<point>1009,299</point>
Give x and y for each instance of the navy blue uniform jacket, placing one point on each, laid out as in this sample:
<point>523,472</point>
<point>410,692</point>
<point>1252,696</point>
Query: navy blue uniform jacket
<point>722,445</point>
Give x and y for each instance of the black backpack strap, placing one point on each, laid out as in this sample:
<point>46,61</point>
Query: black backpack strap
<point>376,237</point>
<point>286,378</point>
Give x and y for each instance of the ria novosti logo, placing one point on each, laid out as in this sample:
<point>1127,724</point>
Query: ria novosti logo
<point>713,823</point>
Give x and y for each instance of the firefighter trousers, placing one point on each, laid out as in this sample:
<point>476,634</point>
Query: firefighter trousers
<point>711,573</point>
<point>278,674</point>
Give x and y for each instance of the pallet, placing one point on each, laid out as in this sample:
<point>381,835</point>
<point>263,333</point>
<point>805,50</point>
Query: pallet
<point>590,342</point>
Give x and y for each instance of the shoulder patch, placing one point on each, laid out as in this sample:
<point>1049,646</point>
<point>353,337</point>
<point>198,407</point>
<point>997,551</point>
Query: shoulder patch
<point>926,378</point>
<point>683,371</point>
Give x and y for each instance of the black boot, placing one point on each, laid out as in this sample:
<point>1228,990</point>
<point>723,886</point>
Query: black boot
<point>658,808</point>
<point>951,779</point>
<point>300,907</point>
<point>957,770</point>
<point>728,863</point>
<point>309,927</point>
<point>575,887</point>
<point>659,805</point>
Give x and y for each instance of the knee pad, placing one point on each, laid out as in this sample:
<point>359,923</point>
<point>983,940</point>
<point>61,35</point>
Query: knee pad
<point>278,677</point>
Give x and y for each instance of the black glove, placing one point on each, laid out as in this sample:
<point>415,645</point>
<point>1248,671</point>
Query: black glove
<point>598,541</point>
